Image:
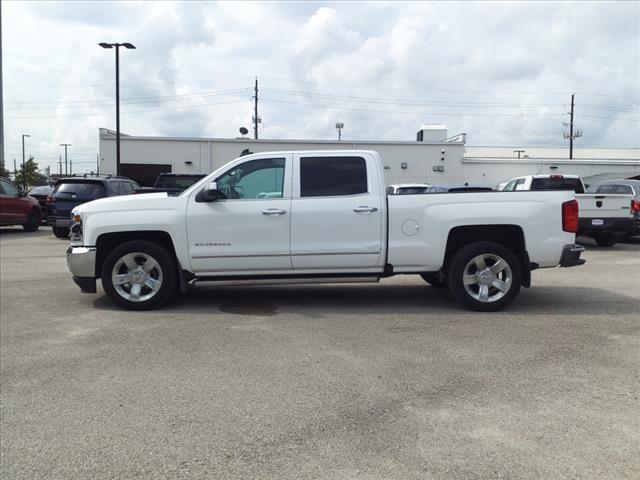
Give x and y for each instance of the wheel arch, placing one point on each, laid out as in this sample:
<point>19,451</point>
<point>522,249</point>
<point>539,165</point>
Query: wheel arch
<point>108,241</point>
<point>509,236</point>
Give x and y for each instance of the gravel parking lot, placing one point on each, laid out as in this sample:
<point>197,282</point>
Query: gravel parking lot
<point>359,381</point>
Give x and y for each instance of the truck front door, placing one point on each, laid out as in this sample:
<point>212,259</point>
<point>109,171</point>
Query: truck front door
<point>248,229</point>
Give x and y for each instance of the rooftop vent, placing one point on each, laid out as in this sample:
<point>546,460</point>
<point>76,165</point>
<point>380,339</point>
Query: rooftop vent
<point>432,133</point>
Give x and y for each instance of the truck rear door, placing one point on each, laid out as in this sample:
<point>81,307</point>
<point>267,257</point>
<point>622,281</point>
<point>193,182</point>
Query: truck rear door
<point>337,215</point>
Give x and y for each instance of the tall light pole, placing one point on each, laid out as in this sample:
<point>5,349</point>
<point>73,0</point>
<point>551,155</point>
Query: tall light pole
<point>65,145</point>
<point>117,47</point>
<point>339,127</point>
<point>24,169</point>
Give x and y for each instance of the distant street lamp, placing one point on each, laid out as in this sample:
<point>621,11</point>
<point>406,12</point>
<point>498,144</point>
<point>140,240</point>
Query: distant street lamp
<point>339,126</point>
<point>24,168</point>
<point>117,47</point>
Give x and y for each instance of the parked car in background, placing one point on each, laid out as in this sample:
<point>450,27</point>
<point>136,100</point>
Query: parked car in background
<point>458,189</point>
<point>70,192</point>
<point>545,182</point>
<point>623,187</point>
<point>408,189</point>
<point>605,218</point>
<point>41,193</point>
<point>18,208</point>
<point>172,183</point>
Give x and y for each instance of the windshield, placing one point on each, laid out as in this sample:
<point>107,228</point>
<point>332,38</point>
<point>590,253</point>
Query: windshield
<point>557,183</point>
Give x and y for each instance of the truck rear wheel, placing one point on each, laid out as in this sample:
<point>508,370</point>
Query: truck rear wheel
<point>139,275</point>
<point>606,239</point>
<point>484,276</point>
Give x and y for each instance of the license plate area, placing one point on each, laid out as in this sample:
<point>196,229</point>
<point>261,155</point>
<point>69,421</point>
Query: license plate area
<point>597,222</point>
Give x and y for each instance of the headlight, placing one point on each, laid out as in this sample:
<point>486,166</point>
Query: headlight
<point>75,232</point>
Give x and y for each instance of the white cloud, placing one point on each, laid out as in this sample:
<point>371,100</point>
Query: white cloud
<point>502,72</point>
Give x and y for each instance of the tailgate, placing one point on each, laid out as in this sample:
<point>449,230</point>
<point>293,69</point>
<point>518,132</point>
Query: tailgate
<point>595,205</point>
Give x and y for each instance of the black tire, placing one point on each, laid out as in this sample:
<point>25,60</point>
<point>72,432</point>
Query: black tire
<point>33,221</point>
<point>166,268</point>
<point>61,232</point>
<point>606,239</point>
<point>463,260</point>
<point>435,279</point>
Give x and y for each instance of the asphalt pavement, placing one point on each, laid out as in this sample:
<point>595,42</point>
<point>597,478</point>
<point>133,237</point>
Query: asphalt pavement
<point>371,381</point>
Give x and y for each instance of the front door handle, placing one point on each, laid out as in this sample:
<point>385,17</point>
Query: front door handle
<point>364,209</point>
<point>273,212</point>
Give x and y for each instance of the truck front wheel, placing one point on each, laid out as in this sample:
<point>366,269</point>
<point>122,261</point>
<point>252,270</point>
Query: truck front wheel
<point>139,275</point>
<point>484,276</point>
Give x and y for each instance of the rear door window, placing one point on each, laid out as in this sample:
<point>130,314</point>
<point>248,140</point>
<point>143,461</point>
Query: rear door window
<point>332,176</point>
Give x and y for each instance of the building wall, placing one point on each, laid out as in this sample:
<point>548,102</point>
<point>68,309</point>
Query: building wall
<point>199,155</point>
<point>492,171</point>
<point>553,152</point>
<point>206,155</point>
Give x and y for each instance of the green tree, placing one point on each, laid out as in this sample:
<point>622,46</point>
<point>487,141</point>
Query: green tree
<point>3,170</point>
<point>28,175</point>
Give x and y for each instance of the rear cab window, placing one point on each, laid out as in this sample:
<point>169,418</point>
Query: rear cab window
<point>557,183</point>
<point>90,190</point>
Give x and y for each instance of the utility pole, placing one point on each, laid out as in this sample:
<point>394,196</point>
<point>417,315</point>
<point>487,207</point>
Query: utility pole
<point>255,111</point>
<point>60,165</point>
<point>571,129</point>
<point>70,167</point>
<point>24,169</point>
<point>573,133</point>
<point>98,163</point>
<point>65,145</point>
<point>15,170</point>
<point>518,152</point>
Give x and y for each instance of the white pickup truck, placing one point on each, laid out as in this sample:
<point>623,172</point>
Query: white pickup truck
<point>318,217</point>
<point>605,217</point>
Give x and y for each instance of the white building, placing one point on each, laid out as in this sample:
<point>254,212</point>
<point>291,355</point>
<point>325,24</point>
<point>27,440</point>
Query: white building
<point>433,157</point>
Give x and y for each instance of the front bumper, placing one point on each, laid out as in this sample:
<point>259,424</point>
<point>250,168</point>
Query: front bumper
<point>571,256</point>
<point>587,226</point>
<point>82,265</point>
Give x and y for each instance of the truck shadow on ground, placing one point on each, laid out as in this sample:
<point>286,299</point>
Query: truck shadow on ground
<point>375,300</point>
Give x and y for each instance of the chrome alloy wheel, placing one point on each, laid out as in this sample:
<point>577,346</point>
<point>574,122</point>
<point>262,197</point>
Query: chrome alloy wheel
<point>487,277</point>
<point>137,277</point>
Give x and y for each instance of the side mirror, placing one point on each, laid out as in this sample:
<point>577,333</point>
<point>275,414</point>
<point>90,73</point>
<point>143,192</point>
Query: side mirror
<point>22,193</point>
<point>209,194</point>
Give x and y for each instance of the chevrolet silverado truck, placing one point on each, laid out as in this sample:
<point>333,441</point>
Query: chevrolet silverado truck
<point>605,218</point>
<point>318,217</point>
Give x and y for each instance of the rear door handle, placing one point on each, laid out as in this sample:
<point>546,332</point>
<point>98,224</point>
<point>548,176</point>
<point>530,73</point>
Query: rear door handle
<point>273,212</point>
<point>364,209</point>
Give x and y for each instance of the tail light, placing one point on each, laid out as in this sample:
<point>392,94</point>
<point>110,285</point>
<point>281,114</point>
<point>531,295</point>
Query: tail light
<point>570,216</point>
<point>635,206</point>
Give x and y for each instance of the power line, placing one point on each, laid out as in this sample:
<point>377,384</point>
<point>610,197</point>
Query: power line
<point>342,107</point>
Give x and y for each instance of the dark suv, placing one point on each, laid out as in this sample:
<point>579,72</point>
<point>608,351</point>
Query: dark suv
<point>70,192</point>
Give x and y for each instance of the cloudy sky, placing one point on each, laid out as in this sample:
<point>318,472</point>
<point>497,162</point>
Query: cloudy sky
<point>502,72</point>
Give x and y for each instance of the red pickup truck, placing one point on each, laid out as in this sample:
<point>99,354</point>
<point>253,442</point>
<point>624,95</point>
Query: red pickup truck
<point>18,208</point>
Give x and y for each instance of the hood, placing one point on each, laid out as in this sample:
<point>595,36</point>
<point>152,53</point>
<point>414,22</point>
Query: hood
<point>127,203</point>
